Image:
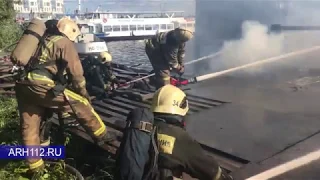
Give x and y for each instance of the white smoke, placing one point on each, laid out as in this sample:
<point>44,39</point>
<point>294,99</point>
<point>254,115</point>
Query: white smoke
<point>255,44</point>
<point>215,26</point>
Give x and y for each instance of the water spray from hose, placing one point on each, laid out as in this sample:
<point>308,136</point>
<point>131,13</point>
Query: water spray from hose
<point>257,63</point>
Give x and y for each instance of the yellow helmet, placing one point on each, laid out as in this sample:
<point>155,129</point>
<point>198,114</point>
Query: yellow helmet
<point>170,100</point>
<point>105,56</point>
<point>182,35</point>
<point>69,28</point>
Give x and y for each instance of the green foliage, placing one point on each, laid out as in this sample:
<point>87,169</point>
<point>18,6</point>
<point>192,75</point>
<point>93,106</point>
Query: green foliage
<point>10,135</point>
<point>85,155</point>
<point>54,172</point>
<point>18,171</point>
<point>10,31</point>
<point>7,12</point>
<point>9,121</point>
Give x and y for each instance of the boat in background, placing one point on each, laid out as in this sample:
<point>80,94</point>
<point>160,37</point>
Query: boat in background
<point>87,44</point>
<point>113,26</point>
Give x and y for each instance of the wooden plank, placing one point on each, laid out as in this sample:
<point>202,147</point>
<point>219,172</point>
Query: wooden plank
<point>134,103</point>
<point>199,105</point>
<point>114,122</point>
<point>100,109</point>
<point>79,131</point>
<point>7,75</point>
<point>112,108</point>
<point>117,103</point>
<point>6,85</point>
<point>198,100</point>
<point>204,99</point>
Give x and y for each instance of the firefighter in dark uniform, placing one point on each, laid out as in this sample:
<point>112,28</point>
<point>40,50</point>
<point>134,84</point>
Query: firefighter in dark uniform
<point>166,51</point>
<point>99,73</point>
<point>178,152</point>
<point>110,79</point>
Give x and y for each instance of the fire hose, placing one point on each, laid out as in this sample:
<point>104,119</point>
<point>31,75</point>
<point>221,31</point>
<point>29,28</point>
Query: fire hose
<point>216,74</point>
<point>69,169</point>
<point>187,63</point>
<point>257,63</point>
<point>176,82</point>
<point>279,28</point>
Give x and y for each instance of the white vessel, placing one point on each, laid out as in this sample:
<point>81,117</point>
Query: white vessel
<point>111,26</point>
<point>90,44</point>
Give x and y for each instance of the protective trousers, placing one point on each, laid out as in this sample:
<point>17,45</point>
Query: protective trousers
<point>33,101</point>
<point>180,153</point>
<point>160,66</point>
<point>45,126</point>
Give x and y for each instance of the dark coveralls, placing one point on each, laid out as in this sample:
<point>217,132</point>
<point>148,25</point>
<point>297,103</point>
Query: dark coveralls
<point>164,54</point>
<point>99,76</point>
<point>180,153</point>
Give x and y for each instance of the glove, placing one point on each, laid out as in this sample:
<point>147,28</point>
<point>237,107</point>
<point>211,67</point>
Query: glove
<point>115,86</point>
<point>181,70</point>
<point>108,87</point>
<point>116,80</point>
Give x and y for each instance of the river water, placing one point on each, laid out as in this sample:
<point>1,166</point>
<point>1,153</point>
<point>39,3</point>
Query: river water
<point>129,53</point>
<point>132,53</point>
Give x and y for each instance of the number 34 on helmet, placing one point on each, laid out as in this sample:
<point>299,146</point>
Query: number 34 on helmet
<point>170,100</point>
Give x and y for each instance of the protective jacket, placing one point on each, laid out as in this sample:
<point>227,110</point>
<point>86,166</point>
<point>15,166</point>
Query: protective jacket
<point>180,153</point>
<point>99,74</point>
<point>37,93</point>
<point>170,53</point>
<point>166,51</point>
<point>59,56</point>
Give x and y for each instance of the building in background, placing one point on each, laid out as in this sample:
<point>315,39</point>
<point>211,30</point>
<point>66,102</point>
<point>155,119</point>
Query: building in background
<point>39,8</point>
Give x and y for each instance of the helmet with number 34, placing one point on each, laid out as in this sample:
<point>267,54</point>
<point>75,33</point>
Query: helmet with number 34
<point>170,100</point>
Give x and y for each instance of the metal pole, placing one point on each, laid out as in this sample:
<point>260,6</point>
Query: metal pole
<point>79,6</point>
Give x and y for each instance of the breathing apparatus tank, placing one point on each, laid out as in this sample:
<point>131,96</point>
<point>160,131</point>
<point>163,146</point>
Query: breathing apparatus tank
<point>28,43</point>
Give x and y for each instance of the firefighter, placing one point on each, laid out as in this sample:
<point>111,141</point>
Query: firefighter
<point>178,152</point>
<point>166,51</point>
<point>110,79</point>
<point>42,88</point>
<point>98,72</point>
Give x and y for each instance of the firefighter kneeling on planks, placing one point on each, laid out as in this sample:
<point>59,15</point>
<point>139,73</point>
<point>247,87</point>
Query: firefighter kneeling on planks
<point>52,74</point>
<point>99,74</point>
<point>158,147</point>
<point>178,152</point>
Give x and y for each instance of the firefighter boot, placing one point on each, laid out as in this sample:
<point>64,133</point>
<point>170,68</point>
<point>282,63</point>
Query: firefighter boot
<point>34,173</point>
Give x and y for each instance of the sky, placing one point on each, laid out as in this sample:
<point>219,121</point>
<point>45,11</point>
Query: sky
<point>132,5</point>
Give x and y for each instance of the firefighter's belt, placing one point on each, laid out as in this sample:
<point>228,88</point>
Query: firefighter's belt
<point>142,126</point>
<point>43,72</point>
